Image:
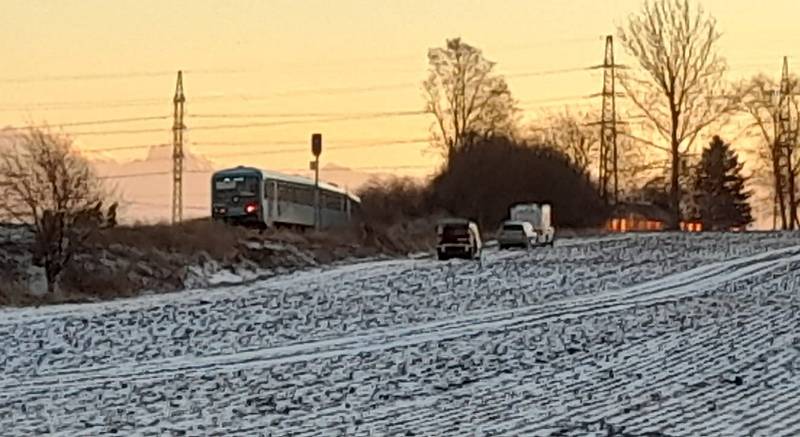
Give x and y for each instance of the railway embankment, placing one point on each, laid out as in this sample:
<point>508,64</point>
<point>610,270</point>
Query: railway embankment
<point>148,259</point>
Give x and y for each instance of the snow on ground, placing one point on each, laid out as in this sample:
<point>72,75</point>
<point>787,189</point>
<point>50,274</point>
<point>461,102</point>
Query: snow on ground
<point>677,335</point>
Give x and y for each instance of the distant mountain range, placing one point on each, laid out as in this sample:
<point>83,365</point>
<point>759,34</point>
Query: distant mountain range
<point>145,186</point>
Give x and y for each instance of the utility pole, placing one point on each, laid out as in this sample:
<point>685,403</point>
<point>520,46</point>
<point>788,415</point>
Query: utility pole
<point>177,151</point>
<point>786,141</point>
<point>316,150</point>
<point>608,127</point>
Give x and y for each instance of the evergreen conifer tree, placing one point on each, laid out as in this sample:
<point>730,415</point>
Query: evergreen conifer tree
<point>720,195</point>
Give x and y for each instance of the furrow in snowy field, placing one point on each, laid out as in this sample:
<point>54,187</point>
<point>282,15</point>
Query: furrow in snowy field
<point>694,281</point>
<point>574,340</point>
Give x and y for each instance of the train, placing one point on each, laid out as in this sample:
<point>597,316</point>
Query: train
<point>260,198</point>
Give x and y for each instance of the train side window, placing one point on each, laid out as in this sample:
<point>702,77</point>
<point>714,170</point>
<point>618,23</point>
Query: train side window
<point>332,201</point>
<point>285,193</point>
<point>306,196</point>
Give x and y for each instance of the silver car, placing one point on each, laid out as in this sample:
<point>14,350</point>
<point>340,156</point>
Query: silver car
<point>516,234</point>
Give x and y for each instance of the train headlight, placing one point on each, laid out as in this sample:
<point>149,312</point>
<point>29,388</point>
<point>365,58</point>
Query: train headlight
<point>251,208</point>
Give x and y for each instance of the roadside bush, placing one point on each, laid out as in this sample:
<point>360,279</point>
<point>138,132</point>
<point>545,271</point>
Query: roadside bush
<point>482,180</point>
<point>393,200</point>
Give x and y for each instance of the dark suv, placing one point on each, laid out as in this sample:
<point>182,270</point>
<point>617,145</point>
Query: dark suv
<point>457,238</point>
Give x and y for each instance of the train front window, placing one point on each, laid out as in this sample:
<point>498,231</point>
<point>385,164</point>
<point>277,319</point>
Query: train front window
<point>226,187</point>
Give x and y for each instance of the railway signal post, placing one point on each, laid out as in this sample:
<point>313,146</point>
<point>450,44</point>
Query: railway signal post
<point>316,150</point>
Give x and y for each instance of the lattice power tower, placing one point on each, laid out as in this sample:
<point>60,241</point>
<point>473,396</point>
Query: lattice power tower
<point>786,135</point>
<point>177,151</point>
<point>608,127</point>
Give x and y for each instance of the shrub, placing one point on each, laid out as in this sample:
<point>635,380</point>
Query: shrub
<point>483,180</point>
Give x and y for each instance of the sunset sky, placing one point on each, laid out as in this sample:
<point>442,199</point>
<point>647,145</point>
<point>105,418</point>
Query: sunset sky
<point>87,60</point>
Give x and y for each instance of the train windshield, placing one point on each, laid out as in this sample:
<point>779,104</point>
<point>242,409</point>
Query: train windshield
<point>227,187</point>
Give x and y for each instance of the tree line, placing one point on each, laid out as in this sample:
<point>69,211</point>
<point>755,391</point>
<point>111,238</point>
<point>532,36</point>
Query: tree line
<point>678,88</point>
<point>491,160</point>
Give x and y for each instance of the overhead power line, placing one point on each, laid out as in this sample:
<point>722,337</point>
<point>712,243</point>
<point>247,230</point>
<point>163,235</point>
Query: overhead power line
<point>337,144</point>
<point>328,170</point>
<point>547,72</point>
<point>121,132</point>
<point>136,175</point>
<point>164,205</point>
<point>312,114</point>
<point>251,68</point>
<point>91,122</point>
<point>136,147</point>
<point>345,144</point>
<point>292,122</point>
<point>557,99</point>
<point>305,149</point>
<point>242,97</point>
<point>363,116</point>
<point>110,76</point>
<point>371,168</point>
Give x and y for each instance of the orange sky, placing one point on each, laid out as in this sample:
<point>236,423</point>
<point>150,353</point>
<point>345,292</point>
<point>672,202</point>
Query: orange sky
<point>70,61</point>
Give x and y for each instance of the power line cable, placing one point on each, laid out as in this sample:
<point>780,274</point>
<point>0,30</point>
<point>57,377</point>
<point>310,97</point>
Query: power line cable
<point>256,125</point>
<point>329,170</point>
<point>290,122</point>
<point>136,147</point>
<point>547,72</point>
<point>110,76</point>
<point>312,114</point>
<point>120,132</point>
<point>91,122</point>
<point>337,144</point>
<point>305,149</point>
<point>164,205</point>
<point>318,91</point>
<point>345,144</point>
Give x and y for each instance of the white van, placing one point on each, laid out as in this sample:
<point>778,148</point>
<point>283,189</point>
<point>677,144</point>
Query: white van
<point>538,215</point>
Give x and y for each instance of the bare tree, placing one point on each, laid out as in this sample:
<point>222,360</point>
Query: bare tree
<point>466,97</point>
<point>760,100</point>
<point>571,134</point>
<point>46,184</point>
<point>678,87</point>
<point>634,168</point>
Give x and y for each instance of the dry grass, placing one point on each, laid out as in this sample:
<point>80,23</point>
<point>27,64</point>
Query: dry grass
<point>13,293</point>
<point>191,237</point>
<point>124,261</point>
<point>16,294</point>
<point>98,282</point>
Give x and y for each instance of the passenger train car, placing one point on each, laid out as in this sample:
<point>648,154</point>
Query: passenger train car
<point>262,198</point>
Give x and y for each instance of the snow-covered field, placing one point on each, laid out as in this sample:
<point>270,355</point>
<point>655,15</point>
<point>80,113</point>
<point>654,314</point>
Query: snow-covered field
<point>679,335</point>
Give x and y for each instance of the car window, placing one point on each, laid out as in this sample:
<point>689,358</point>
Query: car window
<point>455,231</point>
<point>512,227</point>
